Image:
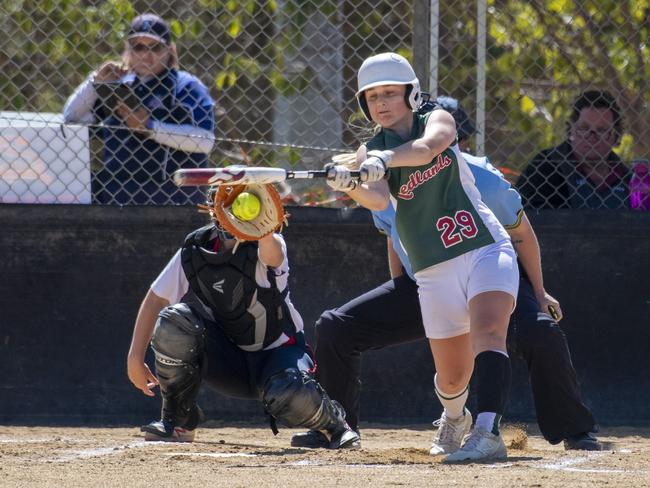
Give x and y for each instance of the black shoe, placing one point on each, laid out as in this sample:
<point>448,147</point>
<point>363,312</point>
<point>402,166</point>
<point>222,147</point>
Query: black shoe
<point>313,439</point>
<point>160,430</point>
<point>582,442</point>
<point>345,438</point>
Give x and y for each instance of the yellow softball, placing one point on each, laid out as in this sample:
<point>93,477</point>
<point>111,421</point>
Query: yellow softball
<point>246,206</point>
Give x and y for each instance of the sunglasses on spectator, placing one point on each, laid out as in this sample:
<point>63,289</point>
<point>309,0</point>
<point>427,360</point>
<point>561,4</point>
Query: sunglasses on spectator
<point>140,47</point>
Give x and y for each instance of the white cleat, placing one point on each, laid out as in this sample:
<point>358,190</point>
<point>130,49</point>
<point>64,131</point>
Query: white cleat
<point>481,445</point>
<point>450,433</point>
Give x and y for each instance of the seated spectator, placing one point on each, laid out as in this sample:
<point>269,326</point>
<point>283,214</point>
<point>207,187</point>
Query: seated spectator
<point>170,126</point>
<point>583,171</point>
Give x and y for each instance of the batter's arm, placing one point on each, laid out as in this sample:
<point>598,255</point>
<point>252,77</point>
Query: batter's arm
<point>439,134</point>
<point>138,371</point>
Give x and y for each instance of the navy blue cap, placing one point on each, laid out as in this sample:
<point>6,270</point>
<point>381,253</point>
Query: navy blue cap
<point>464,125</point>
<point>152,26</point>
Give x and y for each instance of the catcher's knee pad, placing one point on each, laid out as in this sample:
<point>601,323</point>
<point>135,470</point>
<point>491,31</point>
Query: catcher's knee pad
<point>177,343</point>
<point>295,399</point>
<point>178,336</point>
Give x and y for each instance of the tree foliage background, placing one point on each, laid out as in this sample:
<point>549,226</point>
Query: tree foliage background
<point>541,55</point>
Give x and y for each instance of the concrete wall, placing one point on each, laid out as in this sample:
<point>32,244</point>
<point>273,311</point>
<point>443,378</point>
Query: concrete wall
<point>72,278</point>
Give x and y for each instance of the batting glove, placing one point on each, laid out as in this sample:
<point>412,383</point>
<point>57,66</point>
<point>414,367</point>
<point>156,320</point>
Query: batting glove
<point>375,166</point>
<point>339,177</point>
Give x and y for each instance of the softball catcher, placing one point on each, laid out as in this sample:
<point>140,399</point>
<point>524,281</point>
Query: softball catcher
<point>220,311</point>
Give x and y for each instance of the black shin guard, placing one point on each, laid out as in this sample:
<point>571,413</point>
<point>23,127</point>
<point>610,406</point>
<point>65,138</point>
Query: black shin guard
<point>179,391</point>
<point>178,344</point>
<point>493,381</point>
<point>295,399</point>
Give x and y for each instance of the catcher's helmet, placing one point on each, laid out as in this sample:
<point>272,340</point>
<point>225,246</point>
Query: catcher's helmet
<point>464,124</point>
<point>387,69</point>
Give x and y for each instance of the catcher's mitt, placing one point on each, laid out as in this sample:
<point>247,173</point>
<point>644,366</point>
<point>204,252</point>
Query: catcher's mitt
<point>271,217</point>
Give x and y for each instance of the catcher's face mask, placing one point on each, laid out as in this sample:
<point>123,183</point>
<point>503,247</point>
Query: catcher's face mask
<point>209,202</point>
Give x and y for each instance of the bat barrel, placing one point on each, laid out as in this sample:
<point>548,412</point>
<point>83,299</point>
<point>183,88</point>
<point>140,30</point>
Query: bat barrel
<point>192,176</point>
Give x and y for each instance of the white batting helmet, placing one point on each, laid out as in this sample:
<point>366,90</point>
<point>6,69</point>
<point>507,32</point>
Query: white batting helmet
<point>387,69</point>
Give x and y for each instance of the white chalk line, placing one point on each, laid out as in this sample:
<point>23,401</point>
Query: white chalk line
<point>211,454</point>
<point>78,454</point>
<point>567,464</point>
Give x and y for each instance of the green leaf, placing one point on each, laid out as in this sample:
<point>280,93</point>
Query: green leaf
<point>235,27</point>
<point>527,105</point>
<point>176,27</point>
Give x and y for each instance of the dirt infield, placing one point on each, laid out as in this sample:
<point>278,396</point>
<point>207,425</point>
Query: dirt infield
<point>244,456</point>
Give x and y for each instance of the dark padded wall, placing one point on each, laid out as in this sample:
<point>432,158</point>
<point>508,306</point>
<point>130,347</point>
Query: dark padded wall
<point>72,278</point>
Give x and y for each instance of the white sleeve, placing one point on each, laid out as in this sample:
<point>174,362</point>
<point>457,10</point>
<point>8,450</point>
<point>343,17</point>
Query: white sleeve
<point>185,137</point>
<point>171,284</point>
<point>78,108</point>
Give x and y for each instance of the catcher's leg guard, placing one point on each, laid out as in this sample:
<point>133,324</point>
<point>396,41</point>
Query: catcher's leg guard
<point>178,342</point>
<point>295,399</point>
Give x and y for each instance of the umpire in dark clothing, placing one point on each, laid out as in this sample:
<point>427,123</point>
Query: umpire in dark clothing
<point>583,171</point>
<point>390,315</point>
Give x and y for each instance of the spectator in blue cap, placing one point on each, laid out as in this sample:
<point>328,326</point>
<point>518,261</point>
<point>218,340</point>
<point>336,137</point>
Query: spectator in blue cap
<point>165,123</point>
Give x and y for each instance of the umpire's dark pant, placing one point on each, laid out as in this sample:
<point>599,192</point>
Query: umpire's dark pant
<point>390,314</point>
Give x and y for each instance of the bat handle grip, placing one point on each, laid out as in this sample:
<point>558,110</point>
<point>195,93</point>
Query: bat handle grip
<point>356,174</point>
<point>322,173</point>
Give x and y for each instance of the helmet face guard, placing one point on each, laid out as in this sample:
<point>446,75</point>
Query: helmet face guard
<point>387,69</point>
<point>209,208</point>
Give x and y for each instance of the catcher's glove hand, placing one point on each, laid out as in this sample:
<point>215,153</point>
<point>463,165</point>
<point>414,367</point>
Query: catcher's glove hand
<point>270,218</point>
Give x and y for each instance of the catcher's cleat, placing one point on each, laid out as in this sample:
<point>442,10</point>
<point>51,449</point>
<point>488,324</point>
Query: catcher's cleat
<point>582,442</point>
<point>313,439</point>
<point>450,433</point>
<point>481,445</point>
<point>165,432</point>
<point>346,438</point>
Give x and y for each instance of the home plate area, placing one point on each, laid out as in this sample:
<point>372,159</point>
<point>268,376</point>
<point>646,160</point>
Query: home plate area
<point>249,455</point>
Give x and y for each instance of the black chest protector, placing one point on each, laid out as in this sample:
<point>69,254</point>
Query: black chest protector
<point>251,316</point>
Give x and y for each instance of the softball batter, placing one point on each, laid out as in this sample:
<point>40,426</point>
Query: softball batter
<point>464,264</point>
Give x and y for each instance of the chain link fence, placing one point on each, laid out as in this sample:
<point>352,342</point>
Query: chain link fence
<point>273,83</point>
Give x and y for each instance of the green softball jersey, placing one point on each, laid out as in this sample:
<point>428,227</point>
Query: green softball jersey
<point>439,211</point>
